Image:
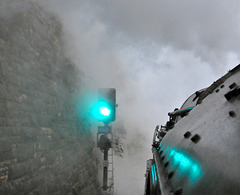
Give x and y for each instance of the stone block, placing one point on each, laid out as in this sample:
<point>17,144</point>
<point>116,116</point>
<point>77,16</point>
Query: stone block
<point>24,152</point>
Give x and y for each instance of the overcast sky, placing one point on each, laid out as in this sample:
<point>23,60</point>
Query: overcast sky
<point>156,53</point>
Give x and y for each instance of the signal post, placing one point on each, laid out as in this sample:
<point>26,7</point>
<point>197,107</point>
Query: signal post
<point>105,111</point>
<point>104,143</point>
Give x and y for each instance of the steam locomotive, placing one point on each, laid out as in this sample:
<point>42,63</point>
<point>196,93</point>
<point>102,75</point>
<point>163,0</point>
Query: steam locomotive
<point>197,151</point>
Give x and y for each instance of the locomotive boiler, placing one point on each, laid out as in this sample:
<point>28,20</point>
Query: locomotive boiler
<point>197,151</point>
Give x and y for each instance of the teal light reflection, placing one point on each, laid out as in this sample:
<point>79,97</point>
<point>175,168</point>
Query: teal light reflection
<point>162,149</point>
<point>188,108</point>
<point>153,178</point>
<point>195,173</point>
<point>184,163</point>
<point>171,153</point>
<point>166,150</point>
<point>154,173</point>
<point>159,146</point>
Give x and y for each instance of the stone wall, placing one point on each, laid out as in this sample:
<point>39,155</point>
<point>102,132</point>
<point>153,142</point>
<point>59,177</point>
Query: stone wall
<point>45,143</point>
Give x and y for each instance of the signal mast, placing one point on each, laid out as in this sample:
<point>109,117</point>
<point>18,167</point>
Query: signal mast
<point>105,111</point>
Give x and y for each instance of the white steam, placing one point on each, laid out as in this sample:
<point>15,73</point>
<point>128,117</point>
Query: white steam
<point>155,53</point>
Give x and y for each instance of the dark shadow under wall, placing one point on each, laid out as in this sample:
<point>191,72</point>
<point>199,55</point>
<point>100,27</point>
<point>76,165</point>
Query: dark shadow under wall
<point>45,146</point>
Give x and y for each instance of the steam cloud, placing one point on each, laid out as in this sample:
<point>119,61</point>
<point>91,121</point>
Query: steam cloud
<point>155,53</point>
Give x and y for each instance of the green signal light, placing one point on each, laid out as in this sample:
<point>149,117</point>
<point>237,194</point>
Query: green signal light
<point>102,111</point>
<point>105,111</point>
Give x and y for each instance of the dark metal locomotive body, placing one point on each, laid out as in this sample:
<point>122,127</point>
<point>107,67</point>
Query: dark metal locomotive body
<point>198,150</point>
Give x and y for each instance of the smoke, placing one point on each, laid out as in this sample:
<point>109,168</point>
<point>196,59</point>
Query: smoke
<point>155,53</point>
<point>208,28</point>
